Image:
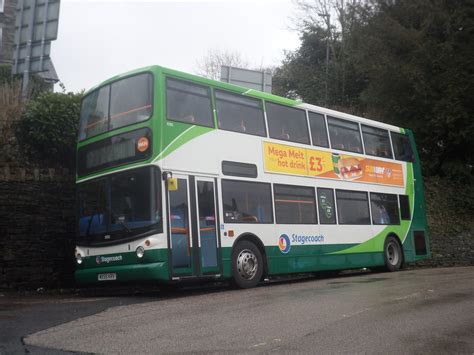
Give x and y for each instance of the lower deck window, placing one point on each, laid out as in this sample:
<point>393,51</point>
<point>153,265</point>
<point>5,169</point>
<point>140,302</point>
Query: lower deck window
<point>384,209</point>
<point>246,202</point>
<point>327,209</point>
<point>404,207</point>
<point>295,204</point>
<point>353,207</point>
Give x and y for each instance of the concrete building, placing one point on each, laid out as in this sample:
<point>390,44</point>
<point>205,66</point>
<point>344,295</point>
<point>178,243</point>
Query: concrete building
<point>7,45</point>
<point>7,30</point>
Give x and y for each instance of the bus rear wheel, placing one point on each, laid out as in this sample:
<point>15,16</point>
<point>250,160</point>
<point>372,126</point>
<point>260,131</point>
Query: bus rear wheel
<point>247,264</point>
<point>393,254</point>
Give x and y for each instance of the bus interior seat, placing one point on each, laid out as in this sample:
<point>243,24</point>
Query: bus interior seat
<point>384,154</point>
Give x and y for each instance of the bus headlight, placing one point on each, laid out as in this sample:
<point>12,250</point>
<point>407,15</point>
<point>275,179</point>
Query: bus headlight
<point>79,259</point>
<point>140,252</point>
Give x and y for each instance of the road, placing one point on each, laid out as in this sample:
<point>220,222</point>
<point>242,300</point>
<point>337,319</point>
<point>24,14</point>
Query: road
<point>412,311</point>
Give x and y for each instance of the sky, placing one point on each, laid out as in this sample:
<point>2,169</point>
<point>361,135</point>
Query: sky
<point>100,39</point>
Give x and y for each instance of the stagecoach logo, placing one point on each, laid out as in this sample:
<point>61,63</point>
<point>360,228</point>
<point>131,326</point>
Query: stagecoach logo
<point>284,244</point>
<point>142,144</point>
<point>108,259</point>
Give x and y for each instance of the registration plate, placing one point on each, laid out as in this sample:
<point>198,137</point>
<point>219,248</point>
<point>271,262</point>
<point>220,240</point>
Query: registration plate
<point>107,277</point>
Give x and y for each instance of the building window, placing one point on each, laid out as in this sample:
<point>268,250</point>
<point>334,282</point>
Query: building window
<point>238,113</point>
<point>287,123</point>
<point>1,34</point>
<point>294,204</point>
<point>247,202</point>
<point>2,3</point>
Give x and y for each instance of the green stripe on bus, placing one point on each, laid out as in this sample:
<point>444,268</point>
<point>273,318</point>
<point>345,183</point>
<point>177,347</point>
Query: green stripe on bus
<point>186,135</point>
<point>376,243</point>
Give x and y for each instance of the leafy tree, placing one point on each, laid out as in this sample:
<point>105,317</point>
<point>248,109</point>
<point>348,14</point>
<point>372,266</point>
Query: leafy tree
<point>49,127</point>
<point>417,59</point>
<point>404,62</point>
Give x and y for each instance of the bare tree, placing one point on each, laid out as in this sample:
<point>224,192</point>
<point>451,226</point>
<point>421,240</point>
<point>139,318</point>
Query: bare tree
<point>210,65</point>
<point>332,15</point>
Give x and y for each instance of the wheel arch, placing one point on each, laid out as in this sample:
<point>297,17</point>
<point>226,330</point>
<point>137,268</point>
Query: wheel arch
<point>250,237</point>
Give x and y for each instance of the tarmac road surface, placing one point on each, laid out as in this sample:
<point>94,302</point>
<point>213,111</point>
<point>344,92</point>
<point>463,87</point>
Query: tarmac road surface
<point>412,311</point>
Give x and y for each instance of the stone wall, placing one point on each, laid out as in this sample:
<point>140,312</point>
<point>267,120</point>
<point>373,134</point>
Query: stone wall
<point>37,221</point>
<point>451,222</point>
<point>37,226</point>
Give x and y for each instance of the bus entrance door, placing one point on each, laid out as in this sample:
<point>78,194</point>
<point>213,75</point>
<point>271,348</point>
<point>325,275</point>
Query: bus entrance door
<point>205,225</point>
<point>193,227</point>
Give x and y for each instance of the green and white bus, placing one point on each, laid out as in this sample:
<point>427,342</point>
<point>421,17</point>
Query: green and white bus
<point>182,177</point>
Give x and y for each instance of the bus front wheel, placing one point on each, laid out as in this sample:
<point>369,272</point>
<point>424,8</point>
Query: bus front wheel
<point>247,264</point>
<point>393,254</point>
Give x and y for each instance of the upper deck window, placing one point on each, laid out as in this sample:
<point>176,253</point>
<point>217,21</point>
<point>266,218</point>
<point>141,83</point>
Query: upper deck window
<point>345,135</point>
<point>402,147</point>
<point>95,113</point>
<point>287,123</point>
<point>376,142</point>
<point>130,100</point>
<point>238,113</point>
<point>124,102</point>
<point>318,129</point>
<point>189,103</point>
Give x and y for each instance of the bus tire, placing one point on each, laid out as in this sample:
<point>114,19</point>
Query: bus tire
<point>393,254</point>
<point>247,264</point>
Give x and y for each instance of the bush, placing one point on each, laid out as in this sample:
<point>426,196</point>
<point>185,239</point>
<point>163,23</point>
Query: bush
<point>49,127</point>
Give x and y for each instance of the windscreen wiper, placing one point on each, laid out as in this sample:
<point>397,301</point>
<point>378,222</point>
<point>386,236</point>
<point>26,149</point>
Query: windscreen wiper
<point>89,224</point>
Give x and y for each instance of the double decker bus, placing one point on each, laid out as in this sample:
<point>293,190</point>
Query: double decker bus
<point>182,177</point>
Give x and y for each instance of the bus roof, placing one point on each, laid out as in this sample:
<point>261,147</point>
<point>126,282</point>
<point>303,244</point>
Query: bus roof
<point>156,69</point>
